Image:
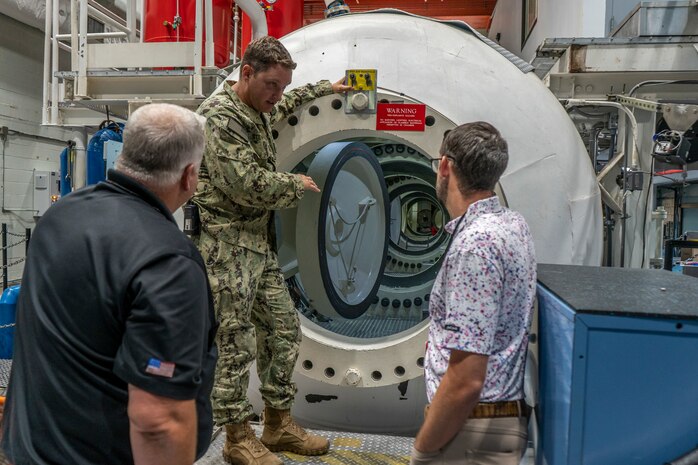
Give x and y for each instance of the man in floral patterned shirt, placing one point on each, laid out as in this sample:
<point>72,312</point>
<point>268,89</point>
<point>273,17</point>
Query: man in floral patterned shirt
<point>480,309</point>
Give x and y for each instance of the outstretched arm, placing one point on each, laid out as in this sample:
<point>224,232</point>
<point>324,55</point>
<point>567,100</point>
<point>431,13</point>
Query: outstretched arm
<point>300,95</point>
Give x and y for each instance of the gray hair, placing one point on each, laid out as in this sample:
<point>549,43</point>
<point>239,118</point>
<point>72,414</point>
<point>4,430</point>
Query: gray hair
<point>480,155</point>
<point>160,140</point>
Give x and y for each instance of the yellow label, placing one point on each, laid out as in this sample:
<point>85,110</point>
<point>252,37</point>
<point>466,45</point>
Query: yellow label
<point>362,79</point>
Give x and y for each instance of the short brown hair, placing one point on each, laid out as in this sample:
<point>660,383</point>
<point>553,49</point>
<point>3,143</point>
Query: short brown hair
<point>479,153</point>
<point>265,52</point>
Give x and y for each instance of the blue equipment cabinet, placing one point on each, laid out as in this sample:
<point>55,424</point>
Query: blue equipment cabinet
<point>618,360</point>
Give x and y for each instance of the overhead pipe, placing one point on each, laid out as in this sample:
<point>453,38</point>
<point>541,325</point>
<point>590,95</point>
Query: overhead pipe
<point>236,23</point>
<point>258,20</point>
<point>658,82</point>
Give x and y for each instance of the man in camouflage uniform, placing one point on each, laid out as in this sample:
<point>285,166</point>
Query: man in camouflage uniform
<point>238,190</point>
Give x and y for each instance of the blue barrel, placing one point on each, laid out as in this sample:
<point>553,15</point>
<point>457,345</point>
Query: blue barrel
<point>66,180</point>
<point>96,166</point>
<point>8,305</point>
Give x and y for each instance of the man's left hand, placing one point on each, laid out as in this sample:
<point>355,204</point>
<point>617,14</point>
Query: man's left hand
<point>424,458</point>
<point>339,87</point>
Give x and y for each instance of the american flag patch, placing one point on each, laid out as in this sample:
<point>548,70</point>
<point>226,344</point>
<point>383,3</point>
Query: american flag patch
<point>159,368</point>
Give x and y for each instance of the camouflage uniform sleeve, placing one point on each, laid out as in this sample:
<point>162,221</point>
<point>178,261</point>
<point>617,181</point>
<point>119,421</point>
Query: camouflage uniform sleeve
<point>297,97</point>
<point>233,168</point>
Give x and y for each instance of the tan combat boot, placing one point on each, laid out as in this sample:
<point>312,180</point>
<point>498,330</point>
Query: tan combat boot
<point>243,448</point>
<point>281,433</point>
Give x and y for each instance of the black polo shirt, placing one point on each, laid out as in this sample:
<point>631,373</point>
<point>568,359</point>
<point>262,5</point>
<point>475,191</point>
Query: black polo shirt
<point>112,294</point>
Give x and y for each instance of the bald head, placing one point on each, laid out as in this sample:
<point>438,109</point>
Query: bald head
<point>160,140</point>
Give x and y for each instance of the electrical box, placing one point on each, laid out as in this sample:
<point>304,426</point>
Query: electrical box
<point>362,99</point>
<point>46,191</point>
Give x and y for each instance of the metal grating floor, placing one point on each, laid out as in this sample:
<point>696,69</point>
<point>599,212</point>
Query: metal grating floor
<point>345,449</point>
<point>369,326</point>
<point>5,367</point>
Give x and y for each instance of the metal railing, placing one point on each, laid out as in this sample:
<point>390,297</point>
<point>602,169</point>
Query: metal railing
<point>87,48</point>
<point>18,239</point>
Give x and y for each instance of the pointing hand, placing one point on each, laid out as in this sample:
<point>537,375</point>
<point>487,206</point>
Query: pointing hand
<point>308,183</point>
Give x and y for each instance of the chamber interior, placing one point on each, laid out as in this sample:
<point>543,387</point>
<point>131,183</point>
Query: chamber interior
<point>416,243</point>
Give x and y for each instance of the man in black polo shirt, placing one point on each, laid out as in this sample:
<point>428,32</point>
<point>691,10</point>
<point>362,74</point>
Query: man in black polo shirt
<point>114,351</point>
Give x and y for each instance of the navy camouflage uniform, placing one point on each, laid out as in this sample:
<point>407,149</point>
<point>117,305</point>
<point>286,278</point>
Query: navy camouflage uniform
<point>237,192</point>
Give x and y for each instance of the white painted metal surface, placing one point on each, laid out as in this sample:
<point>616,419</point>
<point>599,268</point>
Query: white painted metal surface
<point>465,80</point>
<point>549,180</point>
<point>136,55</point>
<point>652,19</point>
<point>556,18</point>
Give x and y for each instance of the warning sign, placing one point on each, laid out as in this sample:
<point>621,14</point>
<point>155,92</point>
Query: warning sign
<point>400,117</point>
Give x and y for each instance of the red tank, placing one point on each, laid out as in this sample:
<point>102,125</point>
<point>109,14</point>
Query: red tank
<point>161,25</point>
<point>283,17</point>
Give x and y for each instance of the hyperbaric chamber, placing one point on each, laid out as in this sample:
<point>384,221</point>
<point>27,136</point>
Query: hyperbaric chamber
<point>365,373</point>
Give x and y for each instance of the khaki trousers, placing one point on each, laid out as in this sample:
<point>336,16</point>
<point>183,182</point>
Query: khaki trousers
<point>481,441</point>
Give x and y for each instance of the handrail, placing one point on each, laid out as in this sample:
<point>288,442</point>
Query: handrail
<point>82,47</point>
<point>95,35</point>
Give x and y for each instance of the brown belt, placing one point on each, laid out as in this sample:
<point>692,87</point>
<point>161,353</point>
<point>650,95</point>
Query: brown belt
<point>511,408</point>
